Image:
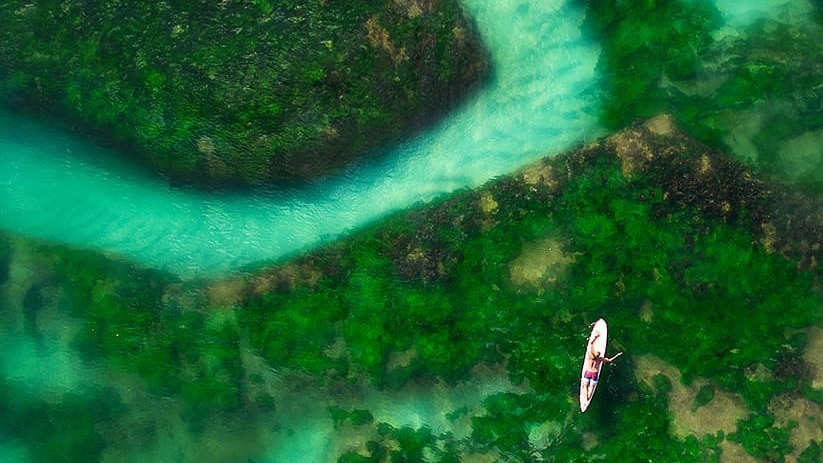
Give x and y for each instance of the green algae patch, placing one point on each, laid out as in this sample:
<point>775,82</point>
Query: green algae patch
<point>132,320</point>
<point>68,429</point>
<point>643,42</point>
<point>240,92</point>
<point>742,89</point>
<point>5,259</point>
<point>756,67</point>
<point>693,414</point>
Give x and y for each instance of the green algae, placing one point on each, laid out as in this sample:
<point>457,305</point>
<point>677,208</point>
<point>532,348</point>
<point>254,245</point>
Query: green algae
<point>240,92</point>
<point>699,272</point>
<point>69,430</point>
<point>5,259</point>
<point>128,325</point>
<point>357,417</point>
<point>642,41</point>
<point>298,332</point>
<point>767,83</point>
<point>810,454</point>
<point>649,418</point>
<point>427,295</point>
<point>762,438</point>
<point>703,397</point>
<point>674,57</point>
<point>405,444</point>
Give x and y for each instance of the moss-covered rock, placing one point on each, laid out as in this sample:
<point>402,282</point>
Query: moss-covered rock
<point>702,239</point>
<point>240,91</point>
<point>670,244</point>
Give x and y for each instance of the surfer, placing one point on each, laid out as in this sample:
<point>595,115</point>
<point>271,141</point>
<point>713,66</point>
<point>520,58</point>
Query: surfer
<point>594,359</point>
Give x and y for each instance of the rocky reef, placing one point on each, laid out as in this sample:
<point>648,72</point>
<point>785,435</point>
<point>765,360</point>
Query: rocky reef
<point>708,274</point>
<point>240,92</point>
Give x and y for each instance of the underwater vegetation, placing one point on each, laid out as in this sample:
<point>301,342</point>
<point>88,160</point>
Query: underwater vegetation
<point>642,42</point>
<point>5,260</point>
<point>754,92</point>
<point>240,91</point>
<point>763,85</point>
<point>659,234</point>
<point>62,431</point>
<point>405,444</point>
<point>131,320</point>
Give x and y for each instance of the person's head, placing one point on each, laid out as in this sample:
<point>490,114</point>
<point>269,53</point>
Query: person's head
<point>596,354</point>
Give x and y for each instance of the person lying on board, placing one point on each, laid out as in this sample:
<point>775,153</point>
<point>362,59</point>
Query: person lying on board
<point>594,359</point>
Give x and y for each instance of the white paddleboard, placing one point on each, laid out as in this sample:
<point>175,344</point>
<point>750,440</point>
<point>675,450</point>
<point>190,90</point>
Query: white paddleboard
<point>600,345</point>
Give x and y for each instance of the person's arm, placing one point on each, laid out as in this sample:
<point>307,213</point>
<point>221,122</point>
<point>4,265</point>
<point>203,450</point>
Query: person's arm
<point>614,357</point>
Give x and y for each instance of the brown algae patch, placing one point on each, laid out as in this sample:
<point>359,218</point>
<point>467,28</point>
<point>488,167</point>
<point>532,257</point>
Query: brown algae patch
<point>769,238</point>
<point>646,312</point>
<point>226,293</point>
<point>589,441</point>
<point>633,146</point>
<point>661,125</point>
<point>492,456</point>
<point>287,276</point>
<point>379,38</point>
<point>540,262</point>
<point>487,204</point>
<point>235,291</point>
<point>720,414</point>
<point>415,8</point>
<point>540,173</point>
<point>401,359</point>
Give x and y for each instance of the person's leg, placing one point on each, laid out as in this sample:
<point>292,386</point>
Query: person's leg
<point>590,385</point>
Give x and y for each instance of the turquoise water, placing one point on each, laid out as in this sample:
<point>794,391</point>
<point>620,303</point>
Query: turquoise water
<point>54,186</point>
<point>543,99</point>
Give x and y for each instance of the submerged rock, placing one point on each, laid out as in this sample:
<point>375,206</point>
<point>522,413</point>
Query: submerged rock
<point>240,92</point>
<point>785,219</point>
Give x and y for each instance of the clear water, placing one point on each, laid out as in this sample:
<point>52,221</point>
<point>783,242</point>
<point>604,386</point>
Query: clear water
<point>53,186</point>
<point>543,99</point>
